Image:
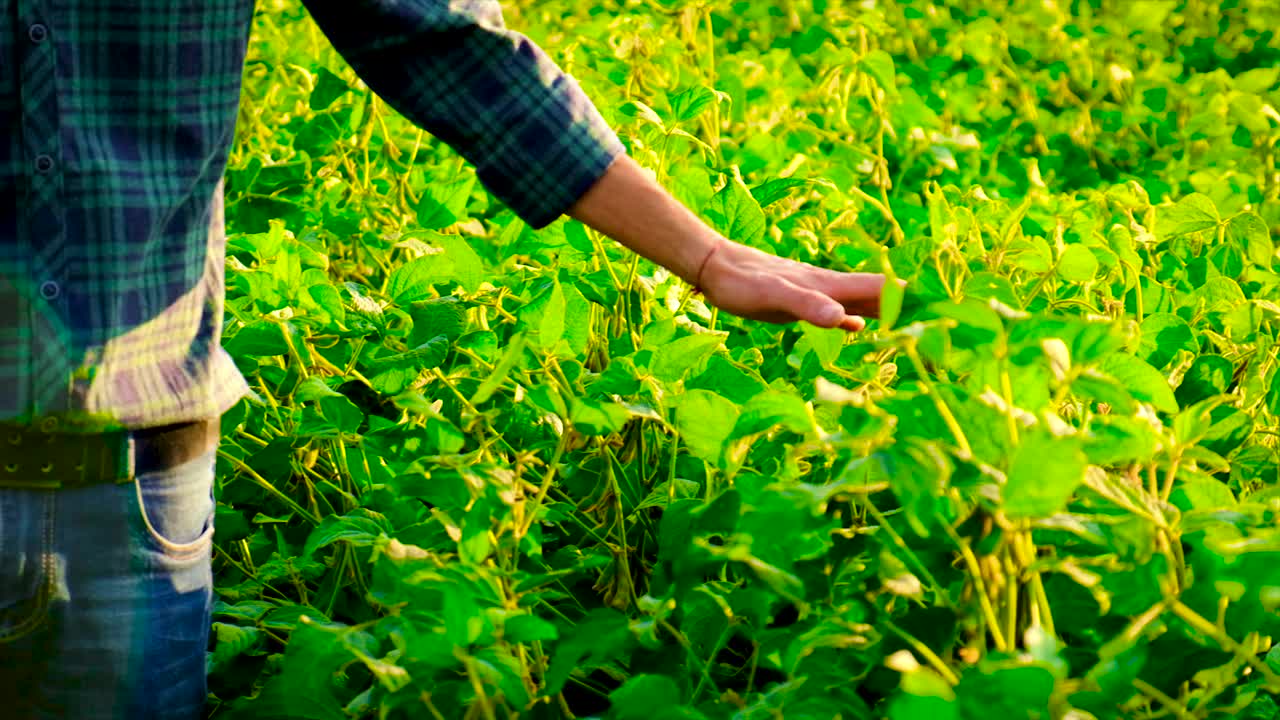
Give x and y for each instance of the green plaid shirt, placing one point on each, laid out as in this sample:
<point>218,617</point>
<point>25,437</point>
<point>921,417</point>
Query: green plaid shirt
<point>116,118</point>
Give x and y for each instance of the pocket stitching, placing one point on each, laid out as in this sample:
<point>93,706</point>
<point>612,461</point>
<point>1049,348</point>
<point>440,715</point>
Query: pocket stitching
<point>177,550</point>
<point>40,603</point>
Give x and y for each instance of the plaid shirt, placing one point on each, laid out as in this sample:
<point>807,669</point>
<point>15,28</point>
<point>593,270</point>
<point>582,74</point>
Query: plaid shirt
<point>116,118</point>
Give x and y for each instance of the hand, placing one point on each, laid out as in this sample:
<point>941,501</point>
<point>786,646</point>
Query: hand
<point>752,284</point>
<point>628,205</point>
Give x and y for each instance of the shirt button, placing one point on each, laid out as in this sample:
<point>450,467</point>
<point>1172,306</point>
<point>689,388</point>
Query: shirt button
<point>44,164</point>
<point>38,33</point>
<point>49,290</point>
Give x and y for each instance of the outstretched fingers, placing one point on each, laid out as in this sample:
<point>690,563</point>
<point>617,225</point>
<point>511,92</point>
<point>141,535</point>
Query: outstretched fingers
<point>816,307</point>
<point>858,293</point>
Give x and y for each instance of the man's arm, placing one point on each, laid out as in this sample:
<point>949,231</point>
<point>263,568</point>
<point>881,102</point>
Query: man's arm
<point>455,70</point>
<point>628,205</point>
<point>540,146</point>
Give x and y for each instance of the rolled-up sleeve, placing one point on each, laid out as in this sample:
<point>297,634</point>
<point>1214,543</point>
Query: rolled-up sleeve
<point>454,69</point>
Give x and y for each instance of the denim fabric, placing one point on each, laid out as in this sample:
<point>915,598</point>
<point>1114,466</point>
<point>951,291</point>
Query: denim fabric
<point>105,598</point>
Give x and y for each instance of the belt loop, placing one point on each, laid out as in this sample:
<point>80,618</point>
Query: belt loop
<point>131,459</point>
<point>84,472</point>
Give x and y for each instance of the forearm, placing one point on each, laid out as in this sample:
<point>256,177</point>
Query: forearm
<point>628,205</point>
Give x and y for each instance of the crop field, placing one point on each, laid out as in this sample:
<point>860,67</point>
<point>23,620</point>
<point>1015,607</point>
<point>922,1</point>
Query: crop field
<point>490,473</point>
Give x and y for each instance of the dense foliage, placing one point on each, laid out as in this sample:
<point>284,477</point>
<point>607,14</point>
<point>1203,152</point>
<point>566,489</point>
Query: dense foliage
<point>491,473</point>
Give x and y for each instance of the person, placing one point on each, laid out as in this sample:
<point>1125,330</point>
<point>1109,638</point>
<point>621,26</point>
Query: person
<point>117,118</point>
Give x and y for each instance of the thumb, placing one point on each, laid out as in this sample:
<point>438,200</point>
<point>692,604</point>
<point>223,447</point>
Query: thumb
<point>814,307</point>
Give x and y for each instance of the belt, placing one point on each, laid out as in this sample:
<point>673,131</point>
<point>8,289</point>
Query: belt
<point>39,457</point>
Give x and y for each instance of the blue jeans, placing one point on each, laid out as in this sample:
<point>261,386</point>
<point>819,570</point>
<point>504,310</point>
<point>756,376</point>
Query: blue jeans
<point>105,598</point>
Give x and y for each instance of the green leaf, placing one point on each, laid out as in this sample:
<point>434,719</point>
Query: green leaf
<point>510,358</point>
<point>1031,254</point>
<point>425,356</point>
<point>361,527</point>
<point>412,281</point>
<point>477,540</point>
<point>362,303</point>
<point>1077,264</point>
<point>989,286</point>
<point>825,342</point>
<point>1231,428</point>
<point>528,628</point>
<point>1208,375</point>
<point>232,641</point>
<point>741,217</point>
<point>673,359</point>
<point>591,417</point>
<point>705,421</point>
<point>1199,492</point>
<point>328,87</point>
<point>443,204</point>
<point>575,233</point>
<point>305,686</point>
<point>1103,389</point>
<point>1163,335</point>
<point>1195,420</point>
<point>599,637</point>
<point>463,621</point>
<point>1193,213</point>
<point>923,707</point>
<point>1249,232</point>
<point>918,473</point>
<point>1273,658</point>
<point>1022,691</point>
<point>456,262</point>
<point>977,324</point>
<point>811,40</point>
<point>577,323</point>
<point>441,317</point>
<point>445,436</point>
<point>641,111</point>
<point>1045,471</point>
<point>264,246</point>
<point>1120,440</point>
<point>768,409</point>
<point>879,65</point>
<point>663,494</point>
<point>1141,380</point>
<point>1217,294</point>
<point>329,300</point>
<point>771,191</point>
<point>643,696</point>
<point>691,103</point>
<point>260,338</point>
<point>892,296</point>
<point>313,388</point>
<point>544,318</point>
<point>341,413</point>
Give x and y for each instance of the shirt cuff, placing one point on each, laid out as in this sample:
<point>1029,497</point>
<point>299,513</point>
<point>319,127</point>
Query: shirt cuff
<point>552,157</point>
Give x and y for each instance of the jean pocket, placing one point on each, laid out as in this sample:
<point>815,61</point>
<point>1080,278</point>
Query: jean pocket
<point>27,574</point>
<point>176,506</point>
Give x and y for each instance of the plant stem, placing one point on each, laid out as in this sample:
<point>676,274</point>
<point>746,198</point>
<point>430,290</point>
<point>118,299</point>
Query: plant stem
<point>925,652</point>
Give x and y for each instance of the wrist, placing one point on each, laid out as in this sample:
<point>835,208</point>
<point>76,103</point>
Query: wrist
<point>698,276</point>
<point>628,205</point>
